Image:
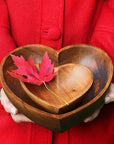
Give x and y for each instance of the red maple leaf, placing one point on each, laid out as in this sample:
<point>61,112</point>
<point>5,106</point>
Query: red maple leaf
<point>28,72</point>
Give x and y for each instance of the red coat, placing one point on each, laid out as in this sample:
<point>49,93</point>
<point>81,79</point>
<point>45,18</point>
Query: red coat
<point>57,23</point>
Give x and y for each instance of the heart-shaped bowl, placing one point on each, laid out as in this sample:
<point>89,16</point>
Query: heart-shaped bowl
<point>65,91</point>
<point>93,58</point>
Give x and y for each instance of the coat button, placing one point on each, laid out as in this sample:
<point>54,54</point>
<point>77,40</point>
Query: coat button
<point>54,34</point>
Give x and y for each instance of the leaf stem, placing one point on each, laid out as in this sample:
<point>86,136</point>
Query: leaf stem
<point>55,93</point>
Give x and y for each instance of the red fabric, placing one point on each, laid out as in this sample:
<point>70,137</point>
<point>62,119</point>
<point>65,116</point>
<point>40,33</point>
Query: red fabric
<point>57,23</point>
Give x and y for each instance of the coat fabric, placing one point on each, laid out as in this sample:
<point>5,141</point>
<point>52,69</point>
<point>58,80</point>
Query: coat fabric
<point>57,23</point>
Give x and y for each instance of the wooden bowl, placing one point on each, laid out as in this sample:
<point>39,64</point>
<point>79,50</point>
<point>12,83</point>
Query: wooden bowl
<point>93,58</point>
<point>65,91</point>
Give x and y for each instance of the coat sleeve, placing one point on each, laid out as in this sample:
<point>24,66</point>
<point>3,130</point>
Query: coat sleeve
<point>6,41</point>
<point>103,34</point>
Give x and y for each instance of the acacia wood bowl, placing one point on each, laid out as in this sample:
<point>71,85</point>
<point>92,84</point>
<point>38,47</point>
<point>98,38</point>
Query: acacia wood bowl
<point>93,58</point>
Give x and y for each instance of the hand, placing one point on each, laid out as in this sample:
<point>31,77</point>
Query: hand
<point>109,98</point>
<point>110,95</point>
<point>9,107</point>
